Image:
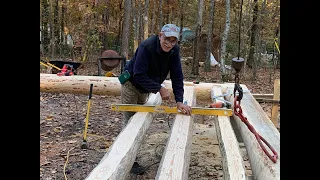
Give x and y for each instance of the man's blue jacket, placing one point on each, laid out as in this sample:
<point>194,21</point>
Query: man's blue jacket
<point>150,66</point>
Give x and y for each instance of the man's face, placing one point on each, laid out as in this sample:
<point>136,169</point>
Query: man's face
<point>167,43</point>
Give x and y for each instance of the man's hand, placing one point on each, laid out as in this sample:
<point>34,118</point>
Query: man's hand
<point>184,108</point>
<point>164,93</point>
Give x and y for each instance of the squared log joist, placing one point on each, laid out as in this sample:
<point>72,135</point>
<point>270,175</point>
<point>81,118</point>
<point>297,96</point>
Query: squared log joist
<point>118,161</point>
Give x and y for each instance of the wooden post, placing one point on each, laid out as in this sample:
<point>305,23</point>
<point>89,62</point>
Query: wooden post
<point>275,105</point>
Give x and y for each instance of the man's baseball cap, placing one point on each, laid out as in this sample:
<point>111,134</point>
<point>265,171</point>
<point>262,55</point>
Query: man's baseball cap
<point>170,30</point>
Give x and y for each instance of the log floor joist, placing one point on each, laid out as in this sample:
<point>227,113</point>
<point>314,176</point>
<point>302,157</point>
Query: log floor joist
<point>117,162</point>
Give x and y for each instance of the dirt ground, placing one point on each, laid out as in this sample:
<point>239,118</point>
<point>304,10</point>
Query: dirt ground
<point>62,122</point>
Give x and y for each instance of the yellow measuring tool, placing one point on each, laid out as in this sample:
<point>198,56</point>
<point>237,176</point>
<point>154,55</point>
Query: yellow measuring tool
<point>167,109</point>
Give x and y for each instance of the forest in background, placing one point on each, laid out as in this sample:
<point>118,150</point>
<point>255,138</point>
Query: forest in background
<point>81,30</point>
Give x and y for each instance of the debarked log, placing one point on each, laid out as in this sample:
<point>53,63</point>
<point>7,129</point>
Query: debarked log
<point>102,85</point>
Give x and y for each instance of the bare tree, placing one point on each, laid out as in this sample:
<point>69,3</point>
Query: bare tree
<point>56,26</point>
<point>153,19</point>
<point>254,29</point>
<point>209,37</point>
<point>52,38</point>
<point>105,20</point>
<point>195,63</point>
<point>125,31</point>
<point>167,12</point>
<point>224,40</point>
<point>146,23</point>
<point>141,32</point>
<point>276,36</point>
<point>181,18</point>
<point>63,36</point>
<point>136,21</point>
<point>45,36</point>
<point>160,15</point>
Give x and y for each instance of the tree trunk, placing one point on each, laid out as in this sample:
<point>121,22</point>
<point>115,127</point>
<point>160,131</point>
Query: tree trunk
<point>224,41</point>
<point>209,37</point>
<point>136,21</point>
<point>41,47</point>
<point>52,41</point>
<point>44,28</point>
<point>63,38</point>
<point>167,11</point>
<point>181,19</point>
<point>56,28</point>
<point>141,32</point>
<point>76,84</point>
<point>125,29</point>
<point>103,35</point>
<point>119,28</point>
<point>160,15</point>
<point>195,63</point>
<point>251,58</point>
<point>146,21</point>
<point>153,20</point>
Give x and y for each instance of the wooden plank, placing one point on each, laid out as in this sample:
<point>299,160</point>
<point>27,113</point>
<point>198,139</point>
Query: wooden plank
<point>262,167</point>
<point>233,166</point>
<point>176,157</point>
<point>118,161</point>
<point>275,106</point>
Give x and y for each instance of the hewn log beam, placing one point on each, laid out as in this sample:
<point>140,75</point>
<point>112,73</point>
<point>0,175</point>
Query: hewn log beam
<point>262,167</point>
<point>105,85</point>
<point>233,167</point>
<point>117,162</point>
<point>176,157</point>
